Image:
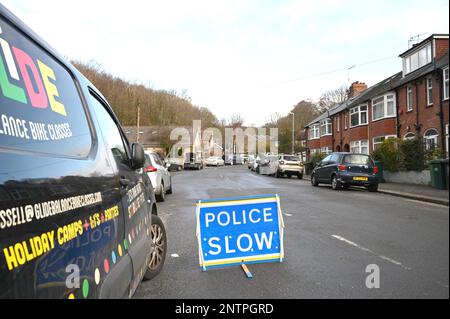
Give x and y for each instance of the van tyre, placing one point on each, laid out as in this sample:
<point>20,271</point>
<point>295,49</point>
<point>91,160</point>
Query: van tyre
<point>158,243</point>
<point>373,188</point>
<point>335,183</point>
<point>300,176</point>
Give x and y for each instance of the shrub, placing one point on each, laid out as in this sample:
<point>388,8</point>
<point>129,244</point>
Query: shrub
<point>316,158</point>
<point>388,152</point>
<point>413,154</point>
<point>437,153</point>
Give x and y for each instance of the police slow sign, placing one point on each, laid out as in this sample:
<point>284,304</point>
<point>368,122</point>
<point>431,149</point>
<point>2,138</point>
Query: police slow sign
<point>242,230</point>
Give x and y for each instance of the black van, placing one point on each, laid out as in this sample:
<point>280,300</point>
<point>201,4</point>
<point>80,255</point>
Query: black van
<point>76,218</point>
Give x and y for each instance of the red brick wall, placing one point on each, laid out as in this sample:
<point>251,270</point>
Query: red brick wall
<point>428,115</point>
<point>441,47</point>
<point>326,141</point>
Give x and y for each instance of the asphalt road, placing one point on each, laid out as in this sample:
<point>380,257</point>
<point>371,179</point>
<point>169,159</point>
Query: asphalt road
<point>330,239</point>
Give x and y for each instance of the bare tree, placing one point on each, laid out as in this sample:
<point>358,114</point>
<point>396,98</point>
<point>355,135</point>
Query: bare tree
<point>332,97</point>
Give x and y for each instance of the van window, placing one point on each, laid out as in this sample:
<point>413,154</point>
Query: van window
<point>111,133</point>
<point>40,107</point>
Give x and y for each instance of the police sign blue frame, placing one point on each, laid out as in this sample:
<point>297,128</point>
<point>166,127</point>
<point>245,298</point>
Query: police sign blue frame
<point>239,230</point>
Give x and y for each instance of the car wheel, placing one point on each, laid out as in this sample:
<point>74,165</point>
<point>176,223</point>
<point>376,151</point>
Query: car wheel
<point>158,248</point>
<point>278,174</point>
<point>314,181</point>
<point>289,175</point>
<point>335,183</point>
<point>300,176</point>
<point>161,197</point>
<point>373,188</point>
<point>257,170</point>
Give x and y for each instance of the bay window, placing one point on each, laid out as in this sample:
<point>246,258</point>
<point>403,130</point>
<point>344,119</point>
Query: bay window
<point>377,141</point>
<point>358,115</point>
<point>359,147</point>
<point>325,127</point>
<point>314,132</point>
<point>383,107</point>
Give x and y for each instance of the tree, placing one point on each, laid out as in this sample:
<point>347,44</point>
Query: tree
<point>332,97</point>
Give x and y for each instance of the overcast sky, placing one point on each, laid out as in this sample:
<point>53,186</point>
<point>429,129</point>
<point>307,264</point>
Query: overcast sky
<point>249,57</point>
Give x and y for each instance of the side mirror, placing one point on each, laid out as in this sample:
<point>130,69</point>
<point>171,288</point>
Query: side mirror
<point>137,156</point>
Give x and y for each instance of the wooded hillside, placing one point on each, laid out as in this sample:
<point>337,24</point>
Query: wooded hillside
<point>157,107</point>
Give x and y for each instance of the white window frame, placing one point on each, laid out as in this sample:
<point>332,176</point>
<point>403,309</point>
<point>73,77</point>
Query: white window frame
<point>409,136</point>
<point>359,145</point>
<point>327,150</point>
<point>338,125</point>
<point>445,83</point>
<point>357,110</point>
<point>327,124</point>
<point>314,132</point>
<point>434,138</point>
<point>409,98</point>
<point>417,56</point>
<point>384,137</point>
<point>386,98</point>
<point>429,82</point>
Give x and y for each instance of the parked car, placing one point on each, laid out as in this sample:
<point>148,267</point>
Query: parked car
<point>228,159</point>
<point>73,204</point>
<point>250,161</point>
<point>289,165</point>
<point>159,175</point>
<point>267,165</point>
<point>214,161</point>
<point>193,160</point>
<point>237,159</point>
<point>342,170</point>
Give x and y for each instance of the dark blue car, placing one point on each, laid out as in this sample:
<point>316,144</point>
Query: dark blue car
<point>342,170</point>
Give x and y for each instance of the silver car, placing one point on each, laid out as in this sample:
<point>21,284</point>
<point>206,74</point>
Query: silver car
<point>159,175</point>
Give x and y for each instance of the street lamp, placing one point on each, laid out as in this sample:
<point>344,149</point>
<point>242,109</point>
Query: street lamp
<point>293,140</point>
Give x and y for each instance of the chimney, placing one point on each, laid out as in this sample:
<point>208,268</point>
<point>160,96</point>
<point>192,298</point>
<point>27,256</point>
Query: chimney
<point>356,88</point>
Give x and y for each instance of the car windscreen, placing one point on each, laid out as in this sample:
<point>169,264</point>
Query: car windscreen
<point>357,159</point>
<point>292,158</point>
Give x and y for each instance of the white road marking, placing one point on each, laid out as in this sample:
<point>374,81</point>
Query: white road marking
<point>174,255</point>
<point>288,215</point>
<point>395,262</point>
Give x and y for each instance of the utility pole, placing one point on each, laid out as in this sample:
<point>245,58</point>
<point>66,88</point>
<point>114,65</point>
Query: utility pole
<point>137,120</point>
<point>293,138</point>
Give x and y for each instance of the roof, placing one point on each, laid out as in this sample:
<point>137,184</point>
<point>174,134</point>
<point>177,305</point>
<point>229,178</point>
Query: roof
<point>430,67</point>
<point>377,89</point>
<point>418,45</point>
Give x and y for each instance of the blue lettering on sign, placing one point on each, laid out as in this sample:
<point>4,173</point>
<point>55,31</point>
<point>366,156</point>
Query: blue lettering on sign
<point>239,230</point>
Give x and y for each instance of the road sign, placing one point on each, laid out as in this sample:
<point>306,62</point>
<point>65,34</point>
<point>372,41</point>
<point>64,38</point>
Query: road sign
<point>240,230</point>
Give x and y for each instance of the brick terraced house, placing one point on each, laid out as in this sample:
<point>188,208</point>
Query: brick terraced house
<point>410,102</point>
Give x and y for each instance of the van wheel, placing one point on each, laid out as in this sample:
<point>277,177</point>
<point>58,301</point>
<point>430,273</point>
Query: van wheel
<point>278,174</point>
<point>161,197</point>
<point>314,181</point>
<point>300,176</point>
<point>335,183</point>
<point>158,248</point>
<point>373,188</point>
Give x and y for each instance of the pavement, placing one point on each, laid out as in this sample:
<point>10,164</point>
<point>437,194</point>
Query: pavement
<point>332,240</point>
<point>412,191</point>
